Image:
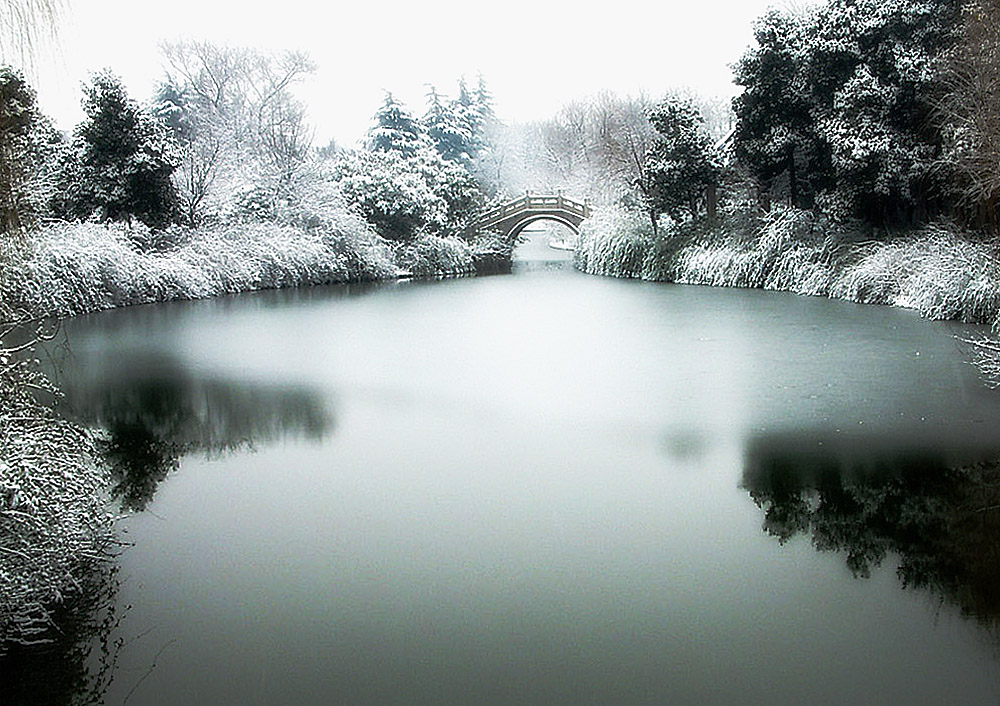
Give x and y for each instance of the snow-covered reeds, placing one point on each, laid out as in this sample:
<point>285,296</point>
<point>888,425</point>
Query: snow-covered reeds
<point>435,255</point>
<point>789,250</point>
<point>939,270</point>
<point>71,268</point>
<point>614,242</point>
<point>55,531</point>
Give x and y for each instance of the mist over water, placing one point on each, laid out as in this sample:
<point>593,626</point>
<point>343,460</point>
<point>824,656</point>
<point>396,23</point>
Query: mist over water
<point>538,488</point>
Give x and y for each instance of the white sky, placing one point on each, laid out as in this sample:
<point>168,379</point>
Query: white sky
<point>536,55</point>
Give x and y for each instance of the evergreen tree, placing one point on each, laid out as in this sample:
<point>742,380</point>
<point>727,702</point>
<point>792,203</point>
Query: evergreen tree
<point>837,107</point>
<point>484,100</point>
<point>450,136</point>
<point>683,163</point>
<point>395,130</point>
<point>775,134</point>
<point>122,160</point>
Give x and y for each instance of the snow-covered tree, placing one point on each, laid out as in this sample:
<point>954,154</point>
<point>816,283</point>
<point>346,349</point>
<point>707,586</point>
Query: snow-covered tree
<point>448,132</point>
<point>238,123</point>
<point>837,105</point>
<point>969,115</point>
<point>122,160</point>
<point>682,164</point>
<point>876,110</point>
<point>25,136</point>
<point>395,130</point>
<point>403,196</point>
<point>201,146</point>
<point>776,129</point>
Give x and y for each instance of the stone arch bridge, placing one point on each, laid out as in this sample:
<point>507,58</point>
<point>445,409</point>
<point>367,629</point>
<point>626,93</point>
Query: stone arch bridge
<point>514,216</point>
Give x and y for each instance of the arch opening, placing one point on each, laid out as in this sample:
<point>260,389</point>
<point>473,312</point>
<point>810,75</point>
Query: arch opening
<point>543,242</point>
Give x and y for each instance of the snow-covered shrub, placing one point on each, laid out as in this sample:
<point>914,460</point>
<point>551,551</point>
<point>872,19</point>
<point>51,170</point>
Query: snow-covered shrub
<point>405,195</point>
<point>491,252</point>
<point>71,268</point>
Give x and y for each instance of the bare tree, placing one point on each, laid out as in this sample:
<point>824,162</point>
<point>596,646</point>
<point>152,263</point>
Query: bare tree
<point>240,116</point>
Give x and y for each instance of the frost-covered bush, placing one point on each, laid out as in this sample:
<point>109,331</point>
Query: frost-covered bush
<point>54,528</point>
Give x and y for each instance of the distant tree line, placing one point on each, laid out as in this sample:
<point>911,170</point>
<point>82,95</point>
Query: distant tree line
<point>224,139</point>
<point>649,156</point>
<point>880,111</point>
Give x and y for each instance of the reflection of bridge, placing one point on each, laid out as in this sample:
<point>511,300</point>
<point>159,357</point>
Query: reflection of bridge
<point>513,217</point>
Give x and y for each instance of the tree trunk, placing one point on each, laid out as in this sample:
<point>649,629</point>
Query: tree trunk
<point>711,202</point>
<point>793,183</point>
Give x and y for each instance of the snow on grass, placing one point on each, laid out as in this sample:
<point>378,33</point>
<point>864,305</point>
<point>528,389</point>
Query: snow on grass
<point>71,268</point>
<point>939,271</point>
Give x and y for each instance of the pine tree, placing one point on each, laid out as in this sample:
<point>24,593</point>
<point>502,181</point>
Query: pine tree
<point>449,135</point>
<point>395,130</point>
<point>123,159</point>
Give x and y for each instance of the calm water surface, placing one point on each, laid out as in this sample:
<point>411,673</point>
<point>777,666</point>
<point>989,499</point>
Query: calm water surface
<point>542,488</point>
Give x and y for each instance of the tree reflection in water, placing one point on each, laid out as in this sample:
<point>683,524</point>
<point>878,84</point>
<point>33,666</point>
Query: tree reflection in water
<point>149,416</point>
<point>152,416</point>
<point>941,519</point>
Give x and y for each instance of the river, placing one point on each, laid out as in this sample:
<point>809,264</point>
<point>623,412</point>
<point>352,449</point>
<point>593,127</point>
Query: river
<point>541,488</point>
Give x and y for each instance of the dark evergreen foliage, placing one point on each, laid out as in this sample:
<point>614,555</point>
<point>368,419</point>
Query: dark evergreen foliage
<point>121,161</point>
<point>837,108</point>
<point>395,130</point>
<point>682,163</point>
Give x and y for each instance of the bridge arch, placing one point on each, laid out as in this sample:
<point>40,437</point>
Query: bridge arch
<point>515,231</point>
<point>514,216</point>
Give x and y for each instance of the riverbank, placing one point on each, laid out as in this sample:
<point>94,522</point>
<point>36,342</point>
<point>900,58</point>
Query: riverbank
<point>938,271</point>
<point>55,529</point>
<point>53,483</point>
<point>74,268</point>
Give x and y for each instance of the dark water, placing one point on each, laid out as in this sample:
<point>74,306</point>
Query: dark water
<point>545,488</point>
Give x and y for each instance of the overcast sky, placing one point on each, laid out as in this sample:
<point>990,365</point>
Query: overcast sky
<point>536,55</point>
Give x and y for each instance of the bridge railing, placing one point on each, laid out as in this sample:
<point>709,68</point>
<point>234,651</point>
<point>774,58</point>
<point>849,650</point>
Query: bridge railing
<point>531,202</point>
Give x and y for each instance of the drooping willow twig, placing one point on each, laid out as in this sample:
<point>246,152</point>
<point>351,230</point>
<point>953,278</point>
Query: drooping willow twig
<point>24,25</point>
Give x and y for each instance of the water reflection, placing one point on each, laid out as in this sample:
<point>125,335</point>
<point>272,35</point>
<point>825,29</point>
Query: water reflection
<point>77,667</point>
<point>867,500</point>
<point>153,410</point>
